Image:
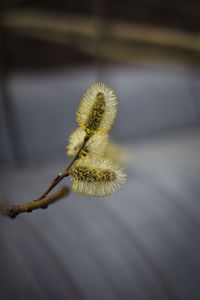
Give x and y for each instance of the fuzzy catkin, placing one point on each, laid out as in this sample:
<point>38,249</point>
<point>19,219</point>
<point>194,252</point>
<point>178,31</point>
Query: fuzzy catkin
<point>97,110</point>
<point>97,144</point>
<point>95,117</point>
<point>97,176</point>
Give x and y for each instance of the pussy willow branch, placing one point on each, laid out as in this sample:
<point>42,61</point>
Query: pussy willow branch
<point>43,201</point>
<point>14,210</point>
<point>65,173</point>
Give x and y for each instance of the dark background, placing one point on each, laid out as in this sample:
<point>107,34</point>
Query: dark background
<point>143,242</point>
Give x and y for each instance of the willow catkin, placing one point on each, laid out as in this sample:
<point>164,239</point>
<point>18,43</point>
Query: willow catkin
<point>96,144</point>
<point>97,110</point>
<point>95,176</point>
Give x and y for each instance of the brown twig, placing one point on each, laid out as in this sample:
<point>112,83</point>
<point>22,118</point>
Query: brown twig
<point>14,210</point>
<point>65,173</point>
<point>43,201</point>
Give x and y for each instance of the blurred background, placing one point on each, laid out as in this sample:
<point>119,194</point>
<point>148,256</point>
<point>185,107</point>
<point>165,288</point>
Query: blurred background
<point>143,242</point>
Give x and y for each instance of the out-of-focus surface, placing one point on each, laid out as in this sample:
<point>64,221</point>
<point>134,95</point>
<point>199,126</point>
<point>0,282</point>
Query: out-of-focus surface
<point>140,243</point>
<point>152,101</point>
<point>143,242</point>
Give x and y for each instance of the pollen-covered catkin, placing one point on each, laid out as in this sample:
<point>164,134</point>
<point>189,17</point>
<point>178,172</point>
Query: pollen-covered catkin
<point>95,176</point>
<point>96,144</point>
<point>97,110</point>
<point>96,115</point>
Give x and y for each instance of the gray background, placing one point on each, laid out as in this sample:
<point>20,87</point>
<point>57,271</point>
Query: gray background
<point>152,101</point>
<point>141,243</point>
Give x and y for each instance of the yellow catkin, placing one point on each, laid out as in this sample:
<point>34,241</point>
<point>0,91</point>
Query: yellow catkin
<point>95,116</point>
<point>96,144</point>
<point>97,110</point>
<point>95,176</point>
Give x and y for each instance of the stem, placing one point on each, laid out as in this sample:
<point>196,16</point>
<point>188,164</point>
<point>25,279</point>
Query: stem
<point>53,184</point>
<point>43,201</point>
<point>65,173</point>
<point>14,210</point>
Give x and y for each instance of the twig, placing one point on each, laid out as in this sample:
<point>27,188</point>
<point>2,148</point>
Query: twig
<point>43,201</point>
<point>14,210</point>
<point>65,173</point>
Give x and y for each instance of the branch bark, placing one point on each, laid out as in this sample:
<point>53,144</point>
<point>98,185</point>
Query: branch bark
<point>43,201</point>
<point>14,210</point>
<point>65,173</point>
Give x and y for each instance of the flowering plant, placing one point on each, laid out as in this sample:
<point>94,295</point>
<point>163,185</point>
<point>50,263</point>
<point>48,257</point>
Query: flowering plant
<point>92,173</point>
